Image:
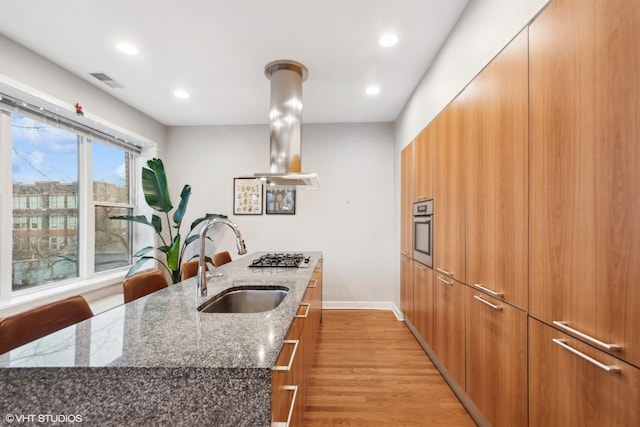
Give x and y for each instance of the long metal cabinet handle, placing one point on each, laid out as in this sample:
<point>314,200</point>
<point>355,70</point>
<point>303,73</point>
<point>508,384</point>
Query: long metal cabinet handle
<point>293,388</point>
<point>444,281</point>
<point>563,326</point>
<point>420,267</point>
<point>609,368</point>
<point>306,313</point>
<point>445,272</point>
<point>293,355</point>
<point>484,301</point>
<point>315,283</point>
<point>489,291</point>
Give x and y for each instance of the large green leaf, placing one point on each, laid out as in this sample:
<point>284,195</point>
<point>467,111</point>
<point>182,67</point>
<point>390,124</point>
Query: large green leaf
<point>144,251</point>
<point>135,267</point>
<point>154,186</point>
<point>156,221</point>
<point>133,218</point>
<point>182,207</point>
<point>173,254</point>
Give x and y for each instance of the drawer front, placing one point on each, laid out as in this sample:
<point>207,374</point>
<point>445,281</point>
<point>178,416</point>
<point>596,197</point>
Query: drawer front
<point>574,384</point>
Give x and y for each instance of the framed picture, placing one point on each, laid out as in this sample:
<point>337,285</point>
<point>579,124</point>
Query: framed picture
<point>247,196</point>
<point>281,202</point>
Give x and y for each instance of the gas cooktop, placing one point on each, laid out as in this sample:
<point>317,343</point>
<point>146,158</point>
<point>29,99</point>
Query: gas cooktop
<point>287,260</point>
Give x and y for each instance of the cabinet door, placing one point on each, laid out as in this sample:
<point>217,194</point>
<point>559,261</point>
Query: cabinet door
<point>496,359</point>
<point>406,201</point>
<point>423,166</point>
<point>315,288</point>
<point>449,324</point>
<point>567,389</point>
<point>406,288</point>
<point>423,301</point>
<point>449,194</point>
<point>285,380</point>
<point>496,140</point>
<point>585,170</point>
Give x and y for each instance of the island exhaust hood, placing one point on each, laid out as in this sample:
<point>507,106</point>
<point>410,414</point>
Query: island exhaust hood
<point>285,118</point>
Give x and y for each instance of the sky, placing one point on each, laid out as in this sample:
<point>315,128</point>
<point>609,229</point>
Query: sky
<point>45,153</point>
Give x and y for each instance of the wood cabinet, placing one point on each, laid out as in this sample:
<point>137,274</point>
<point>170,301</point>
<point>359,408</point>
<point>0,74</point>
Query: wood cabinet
<point>449,325</point>
<point>315,290</point>
<point>423,301</point>
<point>406,201</point>
<point>585,171</point>
<point>285,377</point>
<point>496,143</point>
<point>290,378</point>
<point>449,191</point>
<point>406,287</point>
<point>567,389</point>
<point>423,165</point>
<point>496,359</point>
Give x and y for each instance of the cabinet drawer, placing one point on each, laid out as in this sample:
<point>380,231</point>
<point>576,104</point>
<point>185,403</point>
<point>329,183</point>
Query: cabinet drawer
<point>574,384</point>
<point>496,359</point>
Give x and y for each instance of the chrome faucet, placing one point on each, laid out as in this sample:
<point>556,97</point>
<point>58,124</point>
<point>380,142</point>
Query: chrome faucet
<point>202,267</point>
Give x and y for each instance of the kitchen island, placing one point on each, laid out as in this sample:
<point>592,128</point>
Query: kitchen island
<point>158,361</point>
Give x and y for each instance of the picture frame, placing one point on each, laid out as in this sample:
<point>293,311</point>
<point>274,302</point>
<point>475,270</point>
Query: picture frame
<point>280,202</point>
<point>247,196</point>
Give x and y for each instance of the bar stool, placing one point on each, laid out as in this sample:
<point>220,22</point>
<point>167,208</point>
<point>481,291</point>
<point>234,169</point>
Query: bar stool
<point>37,322</point>
<point>143,284</point>
<point>221,258</point>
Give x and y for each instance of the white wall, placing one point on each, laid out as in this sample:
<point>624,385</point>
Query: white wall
<point>23,69</point>
<point>349,219</point>
<point>483,30</point>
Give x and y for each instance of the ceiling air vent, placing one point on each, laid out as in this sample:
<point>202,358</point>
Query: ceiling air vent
<point>107,80</point>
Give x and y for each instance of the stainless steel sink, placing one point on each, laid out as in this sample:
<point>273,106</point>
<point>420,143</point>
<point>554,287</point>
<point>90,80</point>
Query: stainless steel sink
<point>245,299</point>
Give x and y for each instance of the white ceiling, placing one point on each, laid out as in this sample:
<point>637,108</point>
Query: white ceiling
<point>217,51</point>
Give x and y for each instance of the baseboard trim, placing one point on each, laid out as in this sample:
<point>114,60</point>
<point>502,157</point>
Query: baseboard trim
<point>363,305</point>
<point>458,390</point>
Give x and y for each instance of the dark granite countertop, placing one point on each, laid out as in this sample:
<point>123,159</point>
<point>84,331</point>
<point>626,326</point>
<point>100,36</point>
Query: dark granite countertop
<point>165,330</point>
<point>158,361</point>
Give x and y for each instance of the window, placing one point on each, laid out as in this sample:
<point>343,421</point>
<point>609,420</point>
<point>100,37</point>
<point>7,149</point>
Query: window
<point>35,202</point>
<point>20,222</point>
<point>111,176</point>
<point>20,202</point>
<point>58,202</point>
<point>55,243</point>
<point>35,222</point>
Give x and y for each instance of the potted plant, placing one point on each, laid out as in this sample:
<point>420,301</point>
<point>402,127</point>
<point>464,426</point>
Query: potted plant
<point>156,194</point>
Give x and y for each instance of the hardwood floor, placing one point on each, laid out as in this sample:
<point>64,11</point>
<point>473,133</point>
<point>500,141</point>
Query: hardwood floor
<point>368,370</point>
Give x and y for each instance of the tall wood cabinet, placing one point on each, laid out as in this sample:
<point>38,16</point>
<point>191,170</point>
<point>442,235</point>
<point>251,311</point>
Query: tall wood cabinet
<point>496,359</point>
<point>423,301</point>
<point>449,191</point>
<point>536,188</point>
<point>584,270</point>
<point>449,325</point>
<point>496,143</point>
<point>423,165</point>
<point>406,287</point>
<point>406,200</point>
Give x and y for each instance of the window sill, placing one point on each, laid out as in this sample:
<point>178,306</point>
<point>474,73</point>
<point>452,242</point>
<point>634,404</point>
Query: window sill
<point>18,303</point>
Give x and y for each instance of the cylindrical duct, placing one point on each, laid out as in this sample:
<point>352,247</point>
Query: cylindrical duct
<point>285,114</point>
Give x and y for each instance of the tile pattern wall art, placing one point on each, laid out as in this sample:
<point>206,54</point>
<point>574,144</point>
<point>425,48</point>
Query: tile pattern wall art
<point>247,196</point>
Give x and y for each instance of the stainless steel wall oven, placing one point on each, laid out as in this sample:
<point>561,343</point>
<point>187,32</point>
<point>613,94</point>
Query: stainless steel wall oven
<point>423,232</point>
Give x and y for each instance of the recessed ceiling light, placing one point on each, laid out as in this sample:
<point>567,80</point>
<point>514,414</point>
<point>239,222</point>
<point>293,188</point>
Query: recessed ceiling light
<point>180,93</point>
<point>127,48</point>
<point>372,90</point>
<point>388,40</point>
